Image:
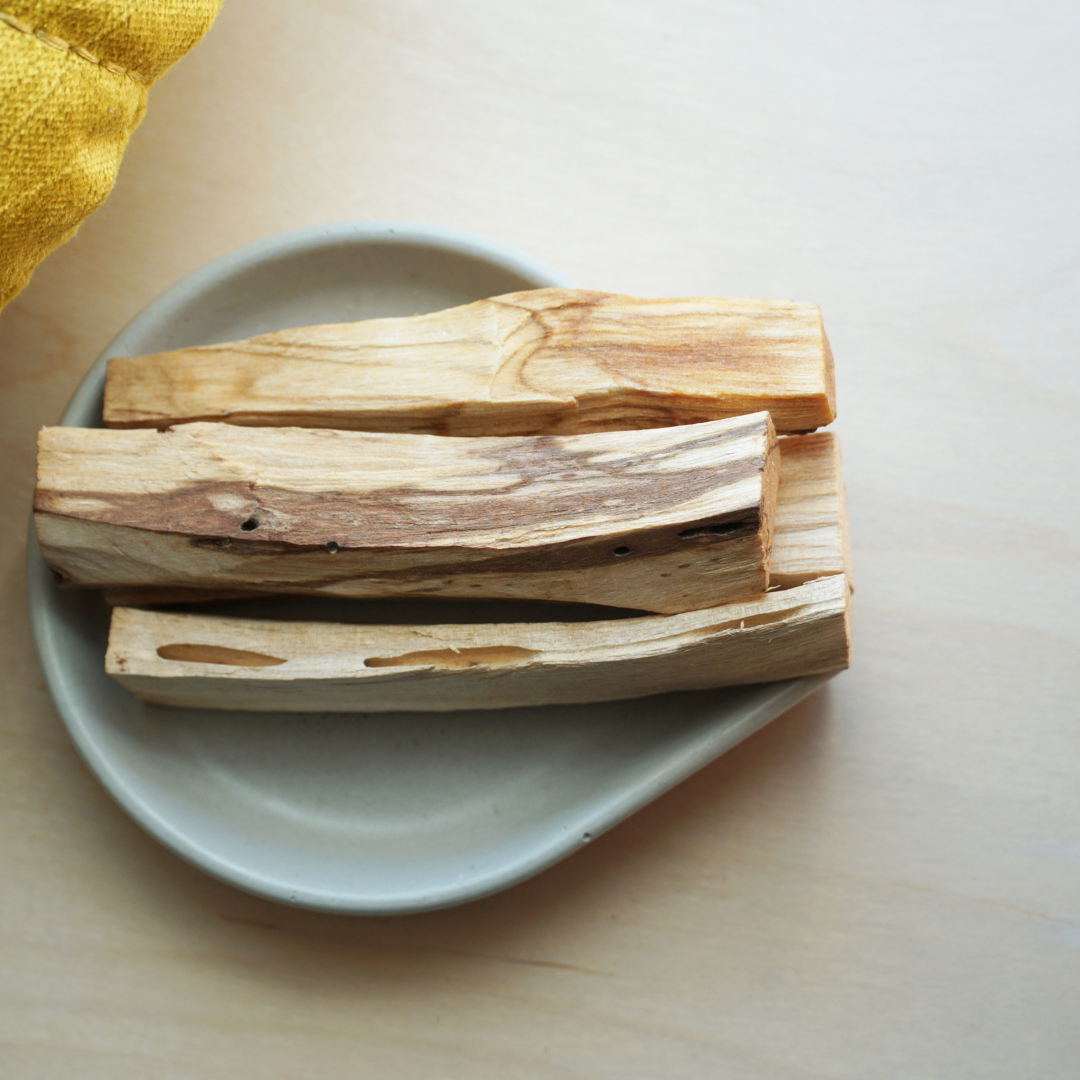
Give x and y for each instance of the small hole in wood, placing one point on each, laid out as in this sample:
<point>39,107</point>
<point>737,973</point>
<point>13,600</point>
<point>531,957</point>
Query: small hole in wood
<point>250,524</point>
<point>622,551</point>
<point>332,547</point>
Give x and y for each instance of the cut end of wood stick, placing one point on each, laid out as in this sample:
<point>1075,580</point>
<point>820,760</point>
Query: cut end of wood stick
<point>810,539</point>
<point>546,361</point>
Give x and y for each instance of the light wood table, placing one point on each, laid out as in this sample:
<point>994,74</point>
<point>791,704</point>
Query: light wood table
<point>883,883</point>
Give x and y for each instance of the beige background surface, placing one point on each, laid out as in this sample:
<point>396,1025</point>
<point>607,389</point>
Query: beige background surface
<point>883,883</point>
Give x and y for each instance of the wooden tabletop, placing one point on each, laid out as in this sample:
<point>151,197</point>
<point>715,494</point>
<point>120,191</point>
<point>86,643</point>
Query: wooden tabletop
<point>885,882</point>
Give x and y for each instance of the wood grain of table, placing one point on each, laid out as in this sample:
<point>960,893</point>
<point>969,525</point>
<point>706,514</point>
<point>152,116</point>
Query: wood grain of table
<point>885,882</point>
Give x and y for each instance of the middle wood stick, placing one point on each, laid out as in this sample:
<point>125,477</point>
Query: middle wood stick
<point>664,520</point>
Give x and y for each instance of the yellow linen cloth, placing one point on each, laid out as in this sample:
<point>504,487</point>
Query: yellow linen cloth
<point>74,76</point>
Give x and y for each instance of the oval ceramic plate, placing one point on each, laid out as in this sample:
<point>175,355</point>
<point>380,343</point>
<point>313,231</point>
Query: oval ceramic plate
<point>363,813</point>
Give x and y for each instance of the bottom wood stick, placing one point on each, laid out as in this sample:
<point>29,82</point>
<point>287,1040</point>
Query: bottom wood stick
<point>249,664</point>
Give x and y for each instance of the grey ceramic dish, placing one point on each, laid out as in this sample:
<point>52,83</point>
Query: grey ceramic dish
<point>363,813</point>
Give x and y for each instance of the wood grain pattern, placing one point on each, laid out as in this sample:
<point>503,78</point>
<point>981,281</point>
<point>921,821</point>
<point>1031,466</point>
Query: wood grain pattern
<point>809,530</point>
<point>556,361</point>
<point>810,538</point>
<point>228,663</point>
<point>660,520</point>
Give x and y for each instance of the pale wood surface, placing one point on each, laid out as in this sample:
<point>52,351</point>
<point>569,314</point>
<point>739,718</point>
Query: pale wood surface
<point>885,882</point>
<point>208,661</point>
<point>545,361</point>
<point>667,519</point>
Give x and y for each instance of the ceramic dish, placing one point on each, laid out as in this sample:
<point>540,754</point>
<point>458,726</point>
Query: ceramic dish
<point>363,813</point>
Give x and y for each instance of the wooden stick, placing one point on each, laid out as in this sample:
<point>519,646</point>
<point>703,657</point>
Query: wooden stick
<point>665,520</point>
<point>225,663</point>
<point>809,531</point>
<point>549,361</point>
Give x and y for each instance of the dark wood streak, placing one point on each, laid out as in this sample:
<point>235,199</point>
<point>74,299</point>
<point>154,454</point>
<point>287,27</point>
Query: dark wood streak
<point>460,561</point>
<point>406,518</point>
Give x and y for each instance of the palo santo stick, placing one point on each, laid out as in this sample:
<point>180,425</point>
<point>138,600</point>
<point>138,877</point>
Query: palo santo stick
<point>809,530</point>
<point>207,661</point>
<point>548,361</point>
<point>664,520</point>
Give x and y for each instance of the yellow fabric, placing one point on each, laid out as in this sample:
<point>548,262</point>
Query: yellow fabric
<point>74,75</point>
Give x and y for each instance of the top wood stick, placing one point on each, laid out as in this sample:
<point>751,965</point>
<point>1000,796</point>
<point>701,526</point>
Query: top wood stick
<point>547,361</point>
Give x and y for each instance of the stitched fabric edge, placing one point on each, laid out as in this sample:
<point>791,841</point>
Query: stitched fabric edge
<point>53,42</point>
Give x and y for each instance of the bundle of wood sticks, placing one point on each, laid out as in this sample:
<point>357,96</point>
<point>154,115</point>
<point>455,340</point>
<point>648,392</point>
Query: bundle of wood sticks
<point>556,444</point>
